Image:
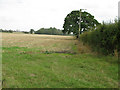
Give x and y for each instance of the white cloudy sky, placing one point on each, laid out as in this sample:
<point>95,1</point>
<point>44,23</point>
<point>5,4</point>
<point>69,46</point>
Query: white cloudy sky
<point>35,14</point>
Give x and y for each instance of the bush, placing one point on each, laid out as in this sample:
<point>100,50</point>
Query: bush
<point>105,39</point>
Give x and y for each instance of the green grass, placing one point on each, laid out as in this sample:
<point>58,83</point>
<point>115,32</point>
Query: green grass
<point>29,68</point>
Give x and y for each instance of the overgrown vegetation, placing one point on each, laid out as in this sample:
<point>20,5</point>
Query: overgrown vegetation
<point>105,39</point>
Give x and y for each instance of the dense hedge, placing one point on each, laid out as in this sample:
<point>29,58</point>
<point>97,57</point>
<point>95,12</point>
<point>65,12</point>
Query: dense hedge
<point>105,39</point>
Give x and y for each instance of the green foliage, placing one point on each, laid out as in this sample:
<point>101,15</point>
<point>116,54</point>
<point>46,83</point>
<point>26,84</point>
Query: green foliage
<point>31,31</point>
<point>71,22</point>
<point>7,31</point>
<point>50,31</point>
<point>105,39</point>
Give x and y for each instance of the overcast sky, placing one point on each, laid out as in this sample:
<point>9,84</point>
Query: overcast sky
<point>35,14</point>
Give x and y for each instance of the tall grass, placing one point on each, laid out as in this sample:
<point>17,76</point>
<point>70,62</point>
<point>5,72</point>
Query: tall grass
<point>105,39</point>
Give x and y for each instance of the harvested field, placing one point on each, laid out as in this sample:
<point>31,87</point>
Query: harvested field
<point>43,42</point>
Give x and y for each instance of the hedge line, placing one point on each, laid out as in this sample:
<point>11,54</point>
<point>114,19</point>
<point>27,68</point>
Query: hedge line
<point>105,39</point>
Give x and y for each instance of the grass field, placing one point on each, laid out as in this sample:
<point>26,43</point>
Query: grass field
<point>46,61</point>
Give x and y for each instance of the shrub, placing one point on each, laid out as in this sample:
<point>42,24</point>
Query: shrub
<point>105,39</point>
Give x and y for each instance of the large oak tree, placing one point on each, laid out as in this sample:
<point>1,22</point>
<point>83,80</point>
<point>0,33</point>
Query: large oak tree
<point>71,22</point>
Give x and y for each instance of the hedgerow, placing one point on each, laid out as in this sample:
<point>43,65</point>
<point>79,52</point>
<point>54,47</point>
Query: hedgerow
<point>105,39</point>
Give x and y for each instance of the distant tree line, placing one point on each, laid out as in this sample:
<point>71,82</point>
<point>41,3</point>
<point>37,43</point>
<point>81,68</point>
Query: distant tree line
<point>49,31</point>
<point>11,31</point>
<point>7,31</point>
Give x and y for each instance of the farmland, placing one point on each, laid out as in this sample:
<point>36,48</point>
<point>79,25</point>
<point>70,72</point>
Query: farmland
<point>52,61</point>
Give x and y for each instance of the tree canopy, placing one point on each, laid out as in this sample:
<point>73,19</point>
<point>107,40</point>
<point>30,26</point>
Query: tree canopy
<point>31,31</point>
<point>71,22</point>
<point>50,31</point>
